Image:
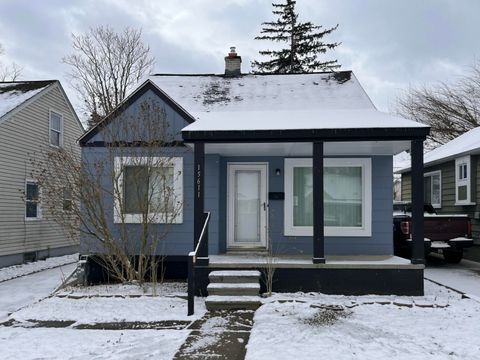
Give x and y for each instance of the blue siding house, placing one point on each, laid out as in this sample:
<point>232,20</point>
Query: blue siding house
<point>296,168</point>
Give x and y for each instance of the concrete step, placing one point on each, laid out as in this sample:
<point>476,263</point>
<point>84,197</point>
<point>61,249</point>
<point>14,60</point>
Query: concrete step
<point>234,289</point>
<point>216,302</point>
<point>234,276</point>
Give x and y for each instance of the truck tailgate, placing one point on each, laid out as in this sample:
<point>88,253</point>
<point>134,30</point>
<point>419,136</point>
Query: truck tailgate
<point>445,227</point>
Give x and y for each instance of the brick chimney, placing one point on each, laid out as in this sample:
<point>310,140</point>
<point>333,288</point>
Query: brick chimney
<point>233,63</point>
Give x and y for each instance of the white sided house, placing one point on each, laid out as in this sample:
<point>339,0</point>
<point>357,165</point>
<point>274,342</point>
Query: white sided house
<point>291,170</point>
<point>33,115</point>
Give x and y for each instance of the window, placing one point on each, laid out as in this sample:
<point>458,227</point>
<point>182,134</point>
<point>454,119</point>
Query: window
<point>151,190</point>
<point>462,181</point>
<point>432,183</point>
<point>56,129</point>
<point>32,202</point>
<point>347,197</point>
<point>67,199</point>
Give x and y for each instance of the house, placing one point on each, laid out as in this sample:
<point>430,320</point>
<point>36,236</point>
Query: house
<point>452,178</point>
<point>33,114</point>
<point>294,167</point>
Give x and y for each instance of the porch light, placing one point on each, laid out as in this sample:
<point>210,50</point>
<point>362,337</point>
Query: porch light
<point>278,172</point>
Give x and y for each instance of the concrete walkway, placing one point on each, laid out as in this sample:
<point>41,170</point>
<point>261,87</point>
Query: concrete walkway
<point>218,335</point>
<point>25,290</point>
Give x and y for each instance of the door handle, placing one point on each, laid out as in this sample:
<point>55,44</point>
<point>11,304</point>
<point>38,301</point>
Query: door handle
<point>264,206</point>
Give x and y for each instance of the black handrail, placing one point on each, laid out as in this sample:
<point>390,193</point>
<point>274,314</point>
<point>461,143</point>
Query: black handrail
<point>192,260</point>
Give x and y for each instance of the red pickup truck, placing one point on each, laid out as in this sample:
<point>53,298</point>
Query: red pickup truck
<point>444,234</point>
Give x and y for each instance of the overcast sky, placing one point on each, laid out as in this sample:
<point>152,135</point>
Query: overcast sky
<point>389,44</point>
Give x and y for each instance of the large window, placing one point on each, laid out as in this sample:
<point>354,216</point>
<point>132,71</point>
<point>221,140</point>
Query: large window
<point>149,190</point>
<point>56,129</point>
<point>347,197</point>
<point>32,200</point>
<point>462,181</point>
<point>432,183</point>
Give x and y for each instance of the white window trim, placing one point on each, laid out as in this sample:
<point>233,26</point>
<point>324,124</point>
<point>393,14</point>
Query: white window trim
<point>431,174</point>
<point>50,128</point>
<point>364,231</point>
<point>156,218</point>
<point>463,182</point>
<point>39,208</point>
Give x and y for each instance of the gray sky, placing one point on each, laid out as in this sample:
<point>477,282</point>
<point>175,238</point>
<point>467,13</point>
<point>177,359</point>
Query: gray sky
<point>389,44</point>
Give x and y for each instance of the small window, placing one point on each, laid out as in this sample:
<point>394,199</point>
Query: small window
<point>56,129</point>
<point>433,188</point>
<point>67,200</point>
<point>462,181</point>
<point>32,208</point>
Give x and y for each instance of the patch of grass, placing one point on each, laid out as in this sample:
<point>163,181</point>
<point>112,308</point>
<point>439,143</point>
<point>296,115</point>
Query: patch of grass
<point>327,317</point>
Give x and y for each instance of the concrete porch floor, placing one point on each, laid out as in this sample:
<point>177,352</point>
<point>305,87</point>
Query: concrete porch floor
<point>246,261</point>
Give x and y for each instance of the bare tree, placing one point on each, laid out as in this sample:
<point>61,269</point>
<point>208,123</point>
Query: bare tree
<point>450,109</point>
<point>9,72</point>
<point>123,198</point>
<point>105,65</point>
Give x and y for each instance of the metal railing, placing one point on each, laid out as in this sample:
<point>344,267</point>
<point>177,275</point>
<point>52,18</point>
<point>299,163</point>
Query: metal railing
<point>192,260</point>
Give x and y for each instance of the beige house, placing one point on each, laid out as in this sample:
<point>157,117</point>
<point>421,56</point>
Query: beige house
<point>33,115</point>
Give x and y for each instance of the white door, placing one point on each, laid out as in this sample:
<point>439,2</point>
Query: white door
<point>247,205</point>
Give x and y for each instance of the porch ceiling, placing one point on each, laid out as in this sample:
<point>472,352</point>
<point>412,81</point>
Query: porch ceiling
<point>305,148</point>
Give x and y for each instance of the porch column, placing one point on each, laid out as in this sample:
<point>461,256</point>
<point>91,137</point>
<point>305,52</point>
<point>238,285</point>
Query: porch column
<point>318,231</point>
<point>198,199</point>
<point>418,247</point>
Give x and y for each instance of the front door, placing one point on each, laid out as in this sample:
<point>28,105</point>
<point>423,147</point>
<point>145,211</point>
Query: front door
<point>247,205</point>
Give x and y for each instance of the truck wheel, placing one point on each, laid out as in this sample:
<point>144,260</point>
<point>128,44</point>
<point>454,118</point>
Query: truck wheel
<point>453,256</point>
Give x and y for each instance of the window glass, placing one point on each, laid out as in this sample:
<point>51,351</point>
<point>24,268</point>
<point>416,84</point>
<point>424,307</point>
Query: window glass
<point>462,193</point>
<point>342,196</point>
<point>427,186</point>
<point>31,200</point>
<point>436,186</point>
<point>148,191</point>
<point>67,199</point>
<point>55,129</point>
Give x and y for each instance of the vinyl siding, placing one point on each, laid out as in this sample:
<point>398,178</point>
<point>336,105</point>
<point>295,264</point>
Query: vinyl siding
<point>448,191</point>
<point>21,136</point>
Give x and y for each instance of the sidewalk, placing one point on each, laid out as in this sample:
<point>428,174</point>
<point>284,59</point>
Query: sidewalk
<point>27,289</point>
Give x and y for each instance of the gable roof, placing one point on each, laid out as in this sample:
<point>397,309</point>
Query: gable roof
<point>264,92</point>
<point>135,95</point>
<point>15,93</point>
<point>466,144</point>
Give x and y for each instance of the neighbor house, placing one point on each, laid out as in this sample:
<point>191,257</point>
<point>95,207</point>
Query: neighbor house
<point>452,178</point>
<point>295,167</point>
<point>34,115</point>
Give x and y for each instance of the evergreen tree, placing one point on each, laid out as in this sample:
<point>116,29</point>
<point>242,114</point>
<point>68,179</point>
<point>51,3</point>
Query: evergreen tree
<point>304,44</point>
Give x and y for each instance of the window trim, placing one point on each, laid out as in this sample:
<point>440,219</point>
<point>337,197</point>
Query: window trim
<point>157,218</point>
<point>431,174</point>
<point>464,181</point>
<point>50,112</point>
<point>39,208</point>
<point>364,231</point>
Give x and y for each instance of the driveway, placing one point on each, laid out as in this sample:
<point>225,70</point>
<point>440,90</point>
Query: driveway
<point>464,277</point>
<point>25,290</point>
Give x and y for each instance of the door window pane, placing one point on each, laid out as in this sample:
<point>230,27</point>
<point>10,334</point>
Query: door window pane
<point>247,206</point>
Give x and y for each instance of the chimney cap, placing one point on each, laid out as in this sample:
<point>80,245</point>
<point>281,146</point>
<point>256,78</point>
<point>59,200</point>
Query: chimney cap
<point>232,52</point>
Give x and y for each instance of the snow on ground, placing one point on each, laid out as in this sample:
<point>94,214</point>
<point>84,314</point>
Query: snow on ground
<point>15,271</point>
<point>28,289</point>
<point>165,289</point>
<point>464,277</point>
<point>44,343</point>
<point>294,329</point>
<point>99,309</point>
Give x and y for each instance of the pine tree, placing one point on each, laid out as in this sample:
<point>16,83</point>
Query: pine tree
<point>304,44</point>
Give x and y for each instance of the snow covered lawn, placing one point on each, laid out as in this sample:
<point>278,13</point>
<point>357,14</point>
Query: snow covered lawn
<point>296,327</point>
<point>15,271</point>
<point>44,343</point>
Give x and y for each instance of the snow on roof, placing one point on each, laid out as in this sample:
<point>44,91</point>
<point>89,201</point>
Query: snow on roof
<point>209,93</point>
<point>13,94</point>
<point>467,143</point>
<point>298,120</point>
